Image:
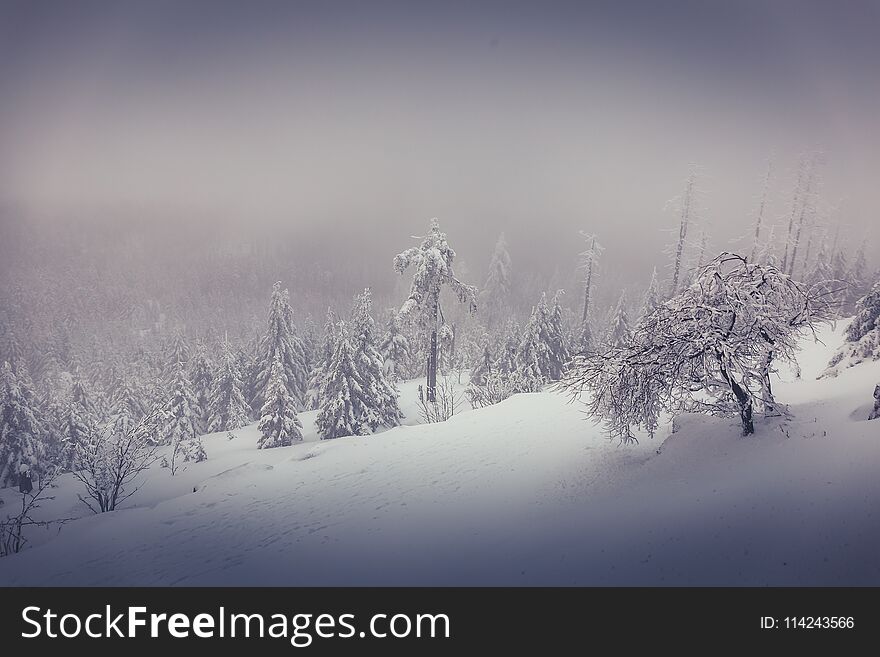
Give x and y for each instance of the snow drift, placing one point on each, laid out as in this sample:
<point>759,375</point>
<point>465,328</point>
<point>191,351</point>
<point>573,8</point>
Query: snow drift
<point>526,492</point>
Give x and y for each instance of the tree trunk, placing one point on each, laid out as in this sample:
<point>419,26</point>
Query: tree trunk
<point>742,398</point>
<point>589,281</point>
<point>800,225</point>
<point>761,207</point>
<point>432,354</point>
<point>769,401</point>
<point>682,236</point>
<point>745,408</point>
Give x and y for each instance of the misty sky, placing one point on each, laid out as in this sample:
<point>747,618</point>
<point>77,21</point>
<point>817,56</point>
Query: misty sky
<point>534,118</point>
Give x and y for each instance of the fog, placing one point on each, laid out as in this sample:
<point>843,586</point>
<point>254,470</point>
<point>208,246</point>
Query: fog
<point>344,127</point>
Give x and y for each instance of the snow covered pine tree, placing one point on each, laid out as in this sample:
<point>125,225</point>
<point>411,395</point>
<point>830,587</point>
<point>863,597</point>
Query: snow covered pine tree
<point>227,408</point>
<point>279,424</point>
<point>356,397</point>
<point>281,343</point>
<point>20,426</point>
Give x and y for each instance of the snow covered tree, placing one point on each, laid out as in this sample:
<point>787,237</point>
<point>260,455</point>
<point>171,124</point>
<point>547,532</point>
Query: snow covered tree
<point>821,273</point>
<point>323,355</point>
<point>340,413</point>
<point>379,394</point>
<point>618,331</point>
<point>556,339</point>
<point>79,419</point>
<point>127,405</point>
<point>281,343</point>
<point>201,375</point>
<point>395,351</point>
<point>432,261</point>
<point>227,408</point>
<point>495,295</point>
<point>20,426</point>
<point>588,264</point>
<point>110,461</point>
<point>179,417</point>
<point>542,351</point>
<point>762,208</point>
<point>859,272</point>
<point>803,207</point>
<point>508,349</point>
<point>709,349</point>
<point>652,295</point>
<point>686,218</point>
<point>177,351</point>
<point>279,424</point>
<point>862,335</point>
<point>483,367</point>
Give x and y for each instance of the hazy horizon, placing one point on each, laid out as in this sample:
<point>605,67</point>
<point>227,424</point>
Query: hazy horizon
<point>357,122</point>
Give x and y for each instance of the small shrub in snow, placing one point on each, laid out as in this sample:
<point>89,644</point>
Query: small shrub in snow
<point>109,462</point>
<point>442,407</point>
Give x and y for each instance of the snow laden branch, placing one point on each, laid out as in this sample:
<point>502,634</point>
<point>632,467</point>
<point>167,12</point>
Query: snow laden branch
<point>12,530</point>
<point>432,264</point>
<point>110,460</point>
<point>711,349</point>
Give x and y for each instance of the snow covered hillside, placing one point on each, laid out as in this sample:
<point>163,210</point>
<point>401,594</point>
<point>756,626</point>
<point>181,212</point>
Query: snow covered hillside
<point>524,492</point>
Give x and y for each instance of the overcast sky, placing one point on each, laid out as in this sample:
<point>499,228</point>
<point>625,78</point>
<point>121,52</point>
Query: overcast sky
<point>535,118</point>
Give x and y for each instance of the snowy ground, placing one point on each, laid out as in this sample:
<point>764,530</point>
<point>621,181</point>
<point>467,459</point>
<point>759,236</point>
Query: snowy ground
<point>525,492</point>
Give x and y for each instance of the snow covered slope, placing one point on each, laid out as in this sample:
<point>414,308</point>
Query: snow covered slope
<point>524,492</point>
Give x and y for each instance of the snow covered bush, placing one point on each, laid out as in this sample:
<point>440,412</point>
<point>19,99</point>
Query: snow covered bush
<point>498,386</point>
<point>709,349</point>
<point>12,529</point>
<point>862,335</point>
<point>111,460</point>
<point>442,407</point>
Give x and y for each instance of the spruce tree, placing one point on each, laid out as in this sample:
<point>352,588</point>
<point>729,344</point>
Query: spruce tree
<point>179,418</point>
<point>395,350</point>
<point>496,292</point>
<point>177,351</point>
<point>127,405</point>
<point>20,426</point>
<point>652,295</point>
<point>227,408</point>
<point>201,376</point>
<point>483,368</point>
<point>322,360</point>
<point>534,355</point>
<point>619,331</point>
<point>79,419</point>
<point>379,394</point>
<point>509,347</point>
<point>341,412</point>
<point>279,424</point>
<point>556,339</point>
<point>281,343</point>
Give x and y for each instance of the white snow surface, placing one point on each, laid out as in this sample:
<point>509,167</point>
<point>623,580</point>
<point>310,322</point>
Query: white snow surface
<point>527,492</point>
